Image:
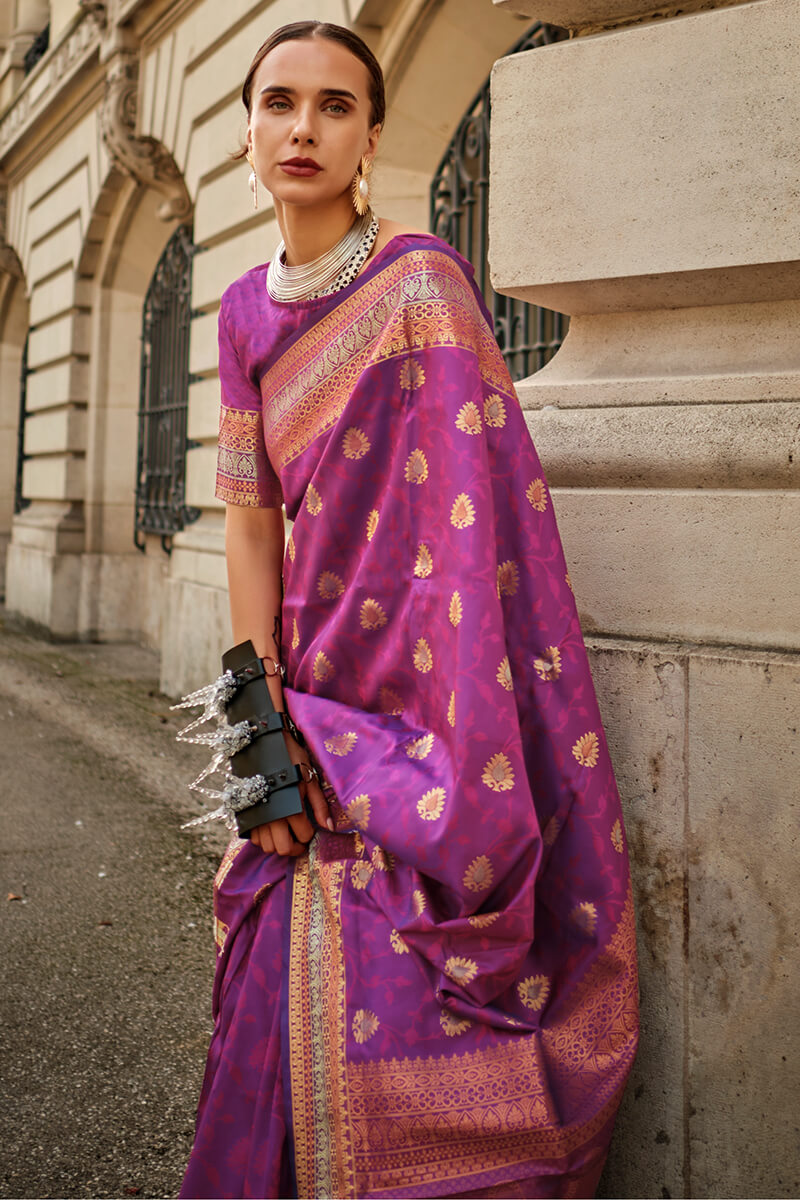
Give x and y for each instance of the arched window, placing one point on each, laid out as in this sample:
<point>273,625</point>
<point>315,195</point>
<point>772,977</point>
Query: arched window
<point>528,336</point>
<point>164,396</point>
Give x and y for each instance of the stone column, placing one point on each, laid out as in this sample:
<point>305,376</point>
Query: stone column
<point>645,181</point>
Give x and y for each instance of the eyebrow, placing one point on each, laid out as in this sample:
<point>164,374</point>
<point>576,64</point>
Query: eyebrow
<point>288,91</point>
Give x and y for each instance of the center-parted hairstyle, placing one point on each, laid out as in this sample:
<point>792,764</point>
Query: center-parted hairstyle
<point>299,31</point>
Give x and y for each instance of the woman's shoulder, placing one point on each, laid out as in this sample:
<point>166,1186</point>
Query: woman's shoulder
<point>244,292</point>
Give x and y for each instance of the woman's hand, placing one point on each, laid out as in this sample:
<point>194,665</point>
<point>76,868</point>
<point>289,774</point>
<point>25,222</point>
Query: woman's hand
<point>276,836</point>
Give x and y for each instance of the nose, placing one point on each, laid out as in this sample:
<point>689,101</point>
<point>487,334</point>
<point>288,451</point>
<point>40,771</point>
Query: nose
<point>303,132</point>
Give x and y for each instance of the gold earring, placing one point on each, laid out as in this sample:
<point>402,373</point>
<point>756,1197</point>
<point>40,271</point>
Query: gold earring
<point>253,180</point>
<point>361,186</point>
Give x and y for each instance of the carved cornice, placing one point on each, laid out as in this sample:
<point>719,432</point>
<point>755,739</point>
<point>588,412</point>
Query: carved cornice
<point>143,158</point>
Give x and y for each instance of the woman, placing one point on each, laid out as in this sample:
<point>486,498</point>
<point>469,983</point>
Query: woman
<point>432,993</point>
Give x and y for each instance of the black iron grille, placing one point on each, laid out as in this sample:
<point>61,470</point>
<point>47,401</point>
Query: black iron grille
<point>19,501</point>
<point>459,214</point>
<point>164,396</point>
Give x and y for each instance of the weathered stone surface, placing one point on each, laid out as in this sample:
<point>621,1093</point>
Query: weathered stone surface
<point>646,212</point>
<point>744,1059</point>
<point>577,14</point>
<point>642,694</point>
<point>705,566</point>
<point>709,446</point>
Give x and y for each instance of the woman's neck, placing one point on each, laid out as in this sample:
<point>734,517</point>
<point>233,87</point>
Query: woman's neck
<point>309,232</point>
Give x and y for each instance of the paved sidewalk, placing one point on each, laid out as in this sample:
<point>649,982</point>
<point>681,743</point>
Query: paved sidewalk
<point>107,955</point>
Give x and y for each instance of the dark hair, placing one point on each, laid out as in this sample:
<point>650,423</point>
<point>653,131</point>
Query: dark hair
<point>299,31</point>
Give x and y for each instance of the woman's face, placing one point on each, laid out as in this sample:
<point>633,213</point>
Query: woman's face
<point>310,102</point>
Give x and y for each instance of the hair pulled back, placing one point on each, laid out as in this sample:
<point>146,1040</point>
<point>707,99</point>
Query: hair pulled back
<point>299,31</point>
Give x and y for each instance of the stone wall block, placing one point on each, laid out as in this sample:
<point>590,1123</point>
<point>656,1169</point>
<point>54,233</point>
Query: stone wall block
<point>642,695</point>
<point>204,400</point>
<point>646,212</point>
<point>44,588</point>
<point>52,386</point>
<point>745,917</point>
<point>704,566</point>
<point>63,429</point>
<point>225,203</point>
<point>196,631</point>
<point>713,446</point>
<point>227,260</point>
<point>54,477</point>
<point>68,334</point>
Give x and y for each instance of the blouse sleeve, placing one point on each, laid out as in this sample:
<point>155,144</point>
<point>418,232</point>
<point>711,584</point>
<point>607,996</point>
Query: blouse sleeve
<point>244,473</point>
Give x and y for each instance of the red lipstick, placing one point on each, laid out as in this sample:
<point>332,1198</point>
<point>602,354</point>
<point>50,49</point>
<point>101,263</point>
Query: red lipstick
<point>300,166</point>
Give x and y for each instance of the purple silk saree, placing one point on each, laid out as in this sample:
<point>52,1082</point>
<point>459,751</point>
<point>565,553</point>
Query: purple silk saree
<point>440,997</point>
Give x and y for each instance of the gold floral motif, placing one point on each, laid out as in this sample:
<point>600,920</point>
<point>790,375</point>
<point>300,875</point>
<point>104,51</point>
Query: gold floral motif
<point>431,805</point>
<point>358,811</point>
<point>423,659</point>
<point>504,675</point>
<point>587,749</point>
<point>461,970</point>
<point>451,1024</point>
<point>330,585</point>
<point>533,991</point>
<point>483,920</point>
<point>451,710</point>
<point>341,743</point>
<point>494,411</point>
<point>323,668</point>
<point>507,578</point>
<point>372,524</point>
<point>416,467</point>
<point>360,874</point>
<point>584,916</point>
<point>391,702</point>
<point>420,747</point>
<point>498,774</point>
<point>551,831</point>
<point>469,418</point>
<point>568,581</point>
<point>479,874</point>
<point>462,514</point>
<point>456,610</point>
<point>537,494</point>
<point>412,374</point>
<point>372,615</point>
<point>616,836</point>
<point>355,443</point>
<point>418,902</point>
<point>398,945</point>
<point>295,634</point>
<point>381,859</point>
<point>548,667</point>
<point>290,547</point>
<point>424,564</point>
<point>365,1023</point>
<point>313,501</point>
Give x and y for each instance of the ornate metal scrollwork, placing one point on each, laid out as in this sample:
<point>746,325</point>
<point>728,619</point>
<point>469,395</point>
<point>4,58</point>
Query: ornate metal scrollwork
<point>143,158</point>
<point>459,213</point>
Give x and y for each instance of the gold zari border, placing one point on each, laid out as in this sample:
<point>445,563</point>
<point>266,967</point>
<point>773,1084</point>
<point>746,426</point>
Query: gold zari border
<point>419,1122</point>
<point>317,1038</point>
<point>420,301</point>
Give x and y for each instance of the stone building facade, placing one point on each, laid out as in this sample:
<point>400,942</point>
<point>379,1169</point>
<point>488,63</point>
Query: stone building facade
<point>644,181</point>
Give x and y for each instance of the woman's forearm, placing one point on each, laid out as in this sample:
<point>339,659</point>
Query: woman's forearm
<point>254,543</point>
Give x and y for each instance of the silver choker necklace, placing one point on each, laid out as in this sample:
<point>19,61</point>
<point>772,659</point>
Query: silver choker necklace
<point>331,271</point>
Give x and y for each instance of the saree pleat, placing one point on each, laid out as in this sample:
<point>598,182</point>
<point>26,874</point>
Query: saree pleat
<point>458,958</point>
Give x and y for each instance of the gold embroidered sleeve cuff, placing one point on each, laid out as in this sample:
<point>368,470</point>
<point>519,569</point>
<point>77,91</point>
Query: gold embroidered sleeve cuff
<point>244,472</point>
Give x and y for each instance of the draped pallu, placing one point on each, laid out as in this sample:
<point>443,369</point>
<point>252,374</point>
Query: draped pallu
<point>449,978</point>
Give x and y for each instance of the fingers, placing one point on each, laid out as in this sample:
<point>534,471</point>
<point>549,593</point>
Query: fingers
<point>319,805</point>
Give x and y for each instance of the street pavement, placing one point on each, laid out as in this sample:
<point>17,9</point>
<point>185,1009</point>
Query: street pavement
<point>107,952</point>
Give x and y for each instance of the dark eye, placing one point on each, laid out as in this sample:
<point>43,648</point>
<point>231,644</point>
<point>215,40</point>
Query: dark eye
<point>335,106</point>
<point>277,104</point>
